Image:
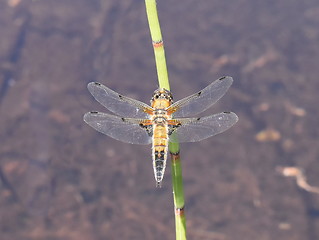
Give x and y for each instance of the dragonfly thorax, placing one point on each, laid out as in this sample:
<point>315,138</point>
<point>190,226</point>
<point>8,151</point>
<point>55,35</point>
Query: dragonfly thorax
<point>160,116</point>
<point>160,120</point>
<point>158,112</point>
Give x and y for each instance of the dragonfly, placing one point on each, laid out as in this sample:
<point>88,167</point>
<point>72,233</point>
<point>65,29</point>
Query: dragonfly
<point>163,121</point>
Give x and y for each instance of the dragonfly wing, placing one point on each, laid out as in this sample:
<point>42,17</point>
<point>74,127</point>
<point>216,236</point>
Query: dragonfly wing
<point>202,100</point>
<point>123,129</point>
<point>118,104</point>
<point>197,129</point>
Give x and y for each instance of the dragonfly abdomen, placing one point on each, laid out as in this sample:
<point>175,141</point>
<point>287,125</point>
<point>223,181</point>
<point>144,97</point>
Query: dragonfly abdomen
<point>159,152</point>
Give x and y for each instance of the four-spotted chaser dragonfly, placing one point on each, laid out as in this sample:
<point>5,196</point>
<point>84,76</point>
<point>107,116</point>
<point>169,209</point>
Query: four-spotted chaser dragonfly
<point>139,123</point>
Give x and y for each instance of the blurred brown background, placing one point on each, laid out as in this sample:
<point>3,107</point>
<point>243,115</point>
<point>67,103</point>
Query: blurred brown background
<point>61,180</point>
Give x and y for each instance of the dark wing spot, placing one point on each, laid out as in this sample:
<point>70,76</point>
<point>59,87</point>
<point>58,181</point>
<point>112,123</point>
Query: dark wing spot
<point>199,93</point>
<point>149,131</point>
<point>173,128</point>
<point>123,119</point>
<point>120,96</point>
<point>227,112</point>
<point>171,131</point>
<point>198,119</point>
<point>147,128</point>
<point>94,112</point>
<point>222,78</point>
<point>96,83</point>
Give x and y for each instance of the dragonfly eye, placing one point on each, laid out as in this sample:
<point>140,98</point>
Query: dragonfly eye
<point>156,96</point>
<point>169,98</point>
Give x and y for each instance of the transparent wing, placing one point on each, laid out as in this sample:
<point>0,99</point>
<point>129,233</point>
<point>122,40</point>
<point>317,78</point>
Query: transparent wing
<point>197,129</point>
<point>122,129</point>
<point>118,104</point>
<point>202,100</point>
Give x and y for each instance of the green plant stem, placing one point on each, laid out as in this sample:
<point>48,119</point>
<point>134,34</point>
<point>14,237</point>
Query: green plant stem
<point>158,45</point>
<point>177,180</point>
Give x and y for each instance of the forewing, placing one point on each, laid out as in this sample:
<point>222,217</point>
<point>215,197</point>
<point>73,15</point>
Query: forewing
<point>122,129</point>
<point>202,100</point>
<point>118,104</point>
<point>197,129</point>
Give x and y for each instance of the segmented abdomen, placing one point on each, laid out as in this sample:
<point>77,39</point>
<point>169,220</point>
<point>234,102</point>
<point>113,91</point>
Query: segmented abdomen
<point>159,152</point>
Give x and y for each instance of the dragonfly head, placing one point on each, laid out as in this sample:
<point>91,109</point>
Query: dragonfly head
<point>162,95</point>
